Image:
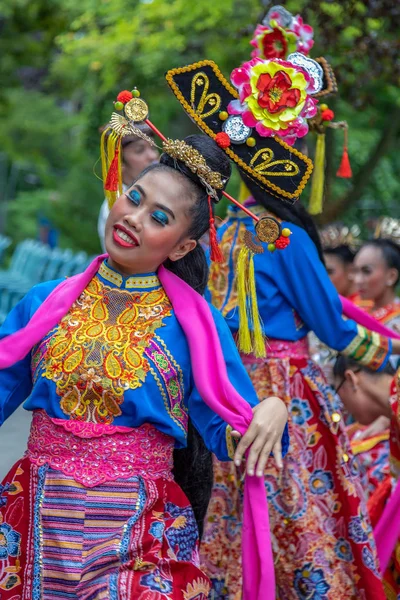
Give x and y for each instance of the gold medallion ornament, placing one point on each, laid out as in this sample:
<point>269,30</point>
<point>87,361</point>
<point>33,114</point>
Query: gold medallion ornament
<point>136,110</point>
<point>268,230</point>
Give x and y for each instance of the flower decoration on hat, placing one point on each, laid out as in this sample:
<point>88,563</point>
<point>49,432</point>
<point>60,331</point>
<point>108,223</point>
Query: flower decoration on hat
<point>275,97</point>
<point>280,34</point>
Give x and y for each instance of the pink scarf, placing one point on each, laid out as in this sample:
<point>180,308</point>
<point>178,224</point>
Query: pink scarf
<point>387,530</point>
<point>212,382</point>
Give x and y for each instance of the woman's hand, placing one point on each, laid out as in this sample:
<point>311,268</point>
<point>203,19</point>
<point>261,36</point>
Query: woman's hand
<point>263,436</point>
<point>378,426</point>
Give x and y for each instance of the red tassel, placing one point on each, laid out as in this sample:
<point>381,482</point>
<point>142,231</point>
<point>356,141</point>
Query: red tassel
<point>345,169</point>
<point>112,181</point>
<point>215,251</point>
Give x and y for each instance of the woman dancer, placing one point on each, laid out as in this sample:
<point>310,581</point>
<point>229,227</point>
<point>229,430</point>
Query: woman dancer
<point>377,273</point>
<point>112,369</point>
<point>322,540</point>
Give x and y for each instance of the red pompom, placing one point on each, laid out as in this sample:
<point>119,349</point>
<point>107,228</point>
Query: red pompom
<point>124,96</point>
<point>223,140</point>
<point>282,242</point>
<point>327,115</point>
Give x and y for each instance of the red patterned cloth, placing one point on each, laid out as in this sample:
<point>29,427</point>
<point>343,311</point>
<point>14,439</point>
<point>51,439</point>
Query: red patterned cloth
<point>372,455</point>
<point>321,536</point>
<point>129,539</point>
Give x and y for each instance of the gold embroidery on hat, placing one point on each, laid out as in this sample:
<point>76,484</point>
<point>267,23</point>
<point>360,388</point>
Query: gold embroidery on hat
<point>200,80</point>
<point>264,167</point>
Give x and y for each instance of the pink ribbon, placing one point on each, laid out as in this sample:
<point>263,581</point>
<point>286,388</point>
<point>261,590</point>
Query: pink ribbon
<point>212,382</point>
<point>361,317</point>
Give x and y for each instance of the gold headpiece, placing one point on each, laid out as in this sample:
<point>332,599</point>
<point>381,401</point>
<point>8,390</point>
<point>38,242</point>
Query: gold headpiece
<point>337,235</point>
<point>195,162</point>
<point>388,229</point>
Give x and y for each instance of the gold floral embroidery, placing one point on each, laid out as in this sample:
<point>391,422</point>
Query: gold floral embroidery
<point>97,350</point>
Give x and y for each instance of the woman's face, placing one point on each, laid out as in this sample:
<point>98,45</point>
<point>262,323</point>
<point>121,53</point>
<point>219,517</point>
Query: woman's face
<point>365,397</point>
<point>373,278</point>
<point>136,156</point>
<point>340,273</point>
<point>149,223</point>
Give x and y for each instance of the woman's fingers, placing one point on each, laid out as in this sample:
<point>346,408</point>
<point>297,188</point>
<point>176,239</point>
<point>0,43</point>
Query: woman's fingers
<point>257,458</point>
<point>277,452</point>
<point>244,444</point>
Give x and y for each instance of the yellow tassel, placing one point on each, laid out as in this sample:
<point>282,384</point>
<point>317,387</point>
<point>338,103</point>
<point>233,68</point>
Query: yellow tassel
<point>258,336</point>
<point>244,193</point>
<point>317,185</point>
<point>109,142</point>
<point>249,341</point>
<point>244,339</point>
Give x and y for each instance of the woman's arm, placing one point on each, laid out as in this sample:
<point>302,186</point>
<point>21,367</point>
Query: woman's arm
<point>15,381</point>
<point>304,282</point>
<point>267,430</point>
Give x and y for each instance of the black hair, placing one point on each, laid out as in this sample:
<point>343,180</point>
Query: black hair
<point>390,251</point>
<point>342,252</point>
<point>293,213</point>
<point>193,464</point>
<point>343,363</point>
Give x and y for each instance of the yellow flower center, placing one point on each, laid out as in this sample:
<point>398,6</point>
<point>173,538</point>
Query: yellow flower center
<point>3,541</point>
<point>275,94</point>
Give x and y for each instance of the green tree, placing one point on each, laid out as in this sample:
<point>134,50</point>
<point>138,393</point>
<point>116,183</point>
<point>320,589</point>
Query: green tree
<point>64,61</point>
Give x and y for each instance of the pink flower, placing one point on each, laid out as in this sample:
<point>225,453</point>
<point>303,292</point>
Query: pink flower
<point>305,33</point>
<point>274,98</point>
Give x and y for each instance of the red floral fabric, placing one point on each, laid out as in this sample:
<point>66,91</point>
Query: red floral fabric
<point>321,536</point>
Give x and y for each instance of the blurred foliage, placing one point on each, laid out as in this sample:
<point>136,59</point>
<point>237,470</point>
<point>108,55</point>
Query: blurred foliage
<point>64,60</point>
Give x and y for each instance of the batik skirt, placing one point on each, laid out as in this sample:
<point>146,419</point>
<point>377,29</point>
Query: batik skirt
<point>130,538</point>
<point>321,537</point>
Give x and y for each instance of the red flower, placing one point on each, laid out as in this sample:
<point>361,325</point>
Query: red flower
<point>327,115</point>
<point>282,242</point>
<point>275,93</point>
<point>223,140</point>
<point>274,44</point>
<point>124,96</point>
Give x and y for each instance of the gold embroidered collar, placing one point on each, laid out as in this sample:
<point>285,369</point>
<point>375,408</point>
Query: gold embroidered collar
<point>139,282</point>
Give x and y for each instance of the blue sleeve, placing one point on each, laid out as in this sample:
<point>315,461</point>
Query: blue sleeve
<point>214,431</point>
<point>303,280</point>
<point>16,381</point>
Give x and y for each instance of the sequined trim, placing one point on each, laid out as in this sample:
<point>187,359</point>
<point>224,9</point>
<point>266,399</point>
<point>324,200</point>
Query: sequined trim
<point>37,535</point>
<point>136,281</point>
<point>144,451</point>
<point>126,537</point>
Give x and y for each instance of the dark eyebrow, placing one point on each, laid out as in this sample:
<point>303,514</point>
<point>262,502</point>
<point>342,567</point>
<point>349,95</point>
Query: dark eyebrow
<point>141,190</point>
<point>165,208</point>
<point>168,210</point>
